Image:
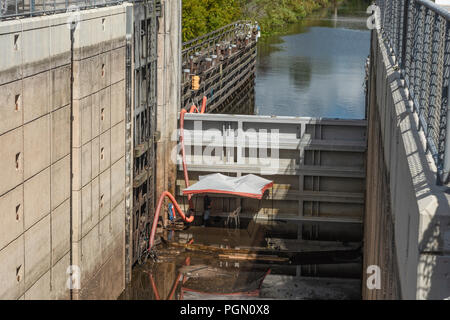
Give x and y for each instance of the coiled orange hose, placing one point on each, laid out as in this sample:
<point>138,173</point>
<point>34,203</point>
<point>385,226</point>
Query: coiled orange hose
<point>186,180</point>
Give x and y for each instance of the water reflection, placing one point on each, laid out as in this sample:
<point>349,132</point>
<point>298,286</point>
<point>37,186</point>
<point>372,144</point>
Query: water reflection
<point>197,273</point>
<point>316,68</point>
<point>217,263</point>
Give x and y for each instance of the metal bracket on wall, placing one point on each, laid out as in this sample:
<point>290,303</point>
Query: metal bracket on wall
<point>159,9</point>
<point>156,136</point>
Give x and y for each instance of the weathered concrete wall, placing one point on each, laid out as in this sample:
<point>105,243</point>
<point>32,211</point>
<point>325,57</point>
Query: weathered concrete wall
<point>168,92</point>
<point>407,220</point>
<point>35,161</point>
<point>35,164</point>
<point>98,149</point>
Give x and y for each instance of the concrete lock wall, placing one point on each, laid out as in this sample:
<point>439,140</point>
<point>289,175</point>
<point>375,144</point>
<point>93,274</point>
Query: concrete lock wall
<point>35,160</point>
<point>63,182</point>
<point>35,165</point>
<point>98,149</point>
<point>407,220</point>
<point>317,165</point>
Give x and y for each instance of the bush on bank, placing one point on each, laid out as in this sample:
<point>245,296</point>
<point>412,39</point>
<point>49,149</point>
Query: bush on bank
<point>272,16</point>
<point>203,16</point>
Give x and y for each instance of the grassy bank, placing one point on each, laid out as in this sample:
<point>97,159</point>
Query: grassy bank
<point>272,16</point>
<point>203,16</point>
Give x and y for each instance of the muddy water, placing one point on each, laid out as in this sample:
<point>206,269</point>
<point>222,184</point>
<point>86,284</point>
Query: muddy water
<point>207,275</point>
<point>156,280</point>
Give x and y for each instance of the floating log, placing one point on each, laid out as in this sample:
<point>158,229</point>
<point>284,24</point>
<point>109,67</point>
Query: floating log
<point>203,271</point>
<point>276,246</point>
<point>253,257</point>
<point>312,246</point>
<point>209,249</point>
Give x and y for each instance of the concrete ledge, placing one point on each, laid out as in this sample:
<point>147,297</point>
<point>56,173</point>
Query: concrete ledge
<point>279,119</point>
<point>420,208</point>
<point>432,200</point>
<point>291,218</point>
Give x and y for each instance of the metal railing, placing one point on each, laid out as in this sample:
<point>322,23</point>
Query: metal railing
<point>208,42</point>
<point>418,32</point>
<point>30,8</point>
<point>224,59</point>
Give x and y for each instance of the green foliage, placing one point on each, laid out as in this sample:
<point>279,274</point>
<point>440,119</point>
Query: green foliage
<point>203,16</point>
<point>276,14</point>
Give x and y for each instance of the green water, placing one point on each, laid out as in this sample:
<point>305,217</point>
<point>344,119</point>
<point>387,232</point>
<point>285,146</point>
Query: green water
<point>316,68</point>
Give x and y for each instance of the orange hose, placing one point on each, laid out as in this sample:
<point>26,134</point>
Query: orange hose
<point>203,105</point>
<point>187,262</point>
<point>183,152</point>
<point>158,209</point>
<point>155,290</point>
<point>174,202</point>
<point>193,108</point>
<point>186,179</point>
<point>166,193</point>
<point>175,285</point>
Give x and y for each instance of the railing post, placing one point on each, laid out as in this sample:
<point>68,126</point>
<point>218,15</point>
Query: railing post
<point>31,7</point>
<point>4,7</point>
<point>446,166</point>
<point>405,33</point>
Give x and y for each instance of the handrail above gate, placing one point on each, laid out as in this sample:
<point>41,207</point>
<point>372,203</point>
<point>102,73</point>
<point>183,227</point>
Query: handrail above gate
<point>418,33</point>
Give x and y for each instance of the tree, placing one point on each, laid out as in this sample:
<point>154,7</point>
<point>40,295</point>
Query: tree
<point>203,16</point>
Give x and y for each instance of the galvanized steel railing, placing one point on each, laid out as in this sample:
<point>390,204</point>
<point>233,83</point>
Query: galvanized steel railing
<point>209,41</point>
<point>29,8</point>
<point>418,32</point>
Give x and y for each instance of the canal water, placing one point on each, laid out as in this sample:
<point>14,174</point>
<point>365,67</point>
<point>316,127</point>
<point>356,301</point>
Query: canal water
<point>196,263</point>
<point>315,69</point>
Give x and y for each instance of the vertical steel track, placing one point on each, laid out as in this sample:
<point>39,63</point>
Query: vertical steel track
<point>145,58</point>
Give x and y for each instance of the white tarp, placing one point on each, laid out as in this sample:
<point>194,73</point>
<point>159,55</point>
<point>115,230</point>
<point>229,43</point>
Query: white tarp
<point>249,186</point>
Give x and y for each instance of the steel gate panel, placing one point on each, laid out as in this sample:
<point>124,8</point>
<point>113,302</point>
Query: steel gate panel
<point>145,67</point>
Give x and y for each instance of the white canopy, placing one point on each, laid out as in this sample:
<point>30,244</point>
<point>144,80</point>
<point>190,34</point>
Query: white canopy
<point>249,186</point>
